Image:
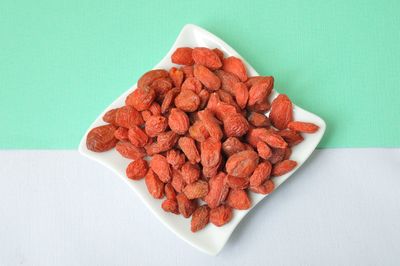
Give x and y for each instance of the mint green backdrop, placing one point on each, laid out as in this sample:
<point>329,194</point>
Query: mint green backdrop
<point>63,62</point>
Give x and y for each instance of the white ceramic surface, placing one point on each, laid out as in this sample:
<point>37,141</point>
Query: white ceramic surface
<point>211,239</point>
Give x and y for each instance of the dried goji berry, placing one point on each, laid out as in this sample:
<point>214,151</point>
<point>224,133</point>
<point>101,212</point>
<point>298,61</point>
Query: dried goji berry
<point>109,116</point>
<point>160,166</point>
<point>101,138</point>
<point>186,206</point>
<point>218,190</point>
<point>175,158</point>
<point>189,148</point>
<point>154,185</point>
<point>137,169</point>
<point>260,174</point>
<point>128,150</point>
<point>220,215</point>
<point>206,77</point>
<point>183,56</point>
<point>149,77</point>
<point>235,66</point>
<point>121,133</point>
<point>128,116</point>
<point>137,136</point>
<point>141,98</point>
<point>206,57</point>
<point>155,125</point>
<point>196,190</point>
<point>242,164</point>
<point>190,172</point>
<point>178,121</point>
<point>187,101</point>
<point>283,167</point>
<point>200,218</point>
<point>238,199</point>
<point>170,205</point>
<point>281,111</point>
<point>303,127</point>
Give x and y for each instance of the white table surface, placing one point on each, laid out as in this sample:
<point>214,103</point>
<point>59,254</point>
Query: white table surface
<point>341,208</point>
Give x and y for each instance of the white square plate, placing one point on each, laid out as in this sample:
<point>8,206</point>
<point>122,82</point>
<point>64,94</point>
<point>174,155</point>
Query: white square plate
<point>211,239</point>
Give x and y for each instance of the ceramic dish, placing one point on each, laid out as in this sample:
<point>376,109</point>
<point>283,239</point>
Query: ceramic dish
<point>211,239</point>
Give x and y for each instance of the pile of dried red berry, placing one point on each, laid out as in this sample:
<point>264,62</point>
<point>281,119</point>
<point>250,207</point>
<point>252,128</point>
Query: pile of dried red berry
<point>205,133</point>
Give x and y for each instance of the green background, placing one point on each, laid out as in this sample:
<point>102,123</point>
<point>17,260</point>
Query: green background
<point>63,62</point>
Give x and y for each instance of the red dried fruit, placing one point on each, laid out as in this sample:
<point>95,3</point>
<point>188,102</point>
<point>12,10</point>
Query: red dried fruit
<point>283,167</point>
<point>235,125</point>
<point>258,120</point>
<point>260,107</point>
<point>238,199</point>
<point>196,190</point>
<point>186,206</point>
<point>137,136</point>
<point>219,53</point>
<point>291,137</point>
<point>137,169</point>
<point>288,153</point>
<point>154,185</point>
<point>220,215</point>
<point>303,127</point>
<point>277,155</point>
<point>169,99</point>
<point>160,166</point>
<point>232,145</point>
<point>188,71</point>
<point>266,188</point>
<point>121,133</point>
<point>141,98</point>
<point>242,164</point>
<point>189,148</point>
<point>204,96</point>
<point>260,90</point>
<point>227,80</point>
<point>272,139</point>
<point>101,138</point>
<point>260,174</point>
<point>235,66</point>
<point>183,56</point>
<point>200,218</point>
<point>175,158</point>
<point>198,131</point>
<point>128,150</point>
<point>127,116</point>
<point>218,190</point>
<point>169,191</point>
<point>192,84</point>
<point>145,115</point>
<point>210,152</point>
<point>237,182</point>
<point>149,77</point>
<point>264,151</point>
<point>206,77</point>
<point>109,116</point>
<point>211,124</point>
<point>206,57</point>
<point>190,172</point>
<point>155,109</point>
<point>187,101</point>
<point>178,121</point>
<point>176,76</point>
<point>241,94</point>
<point>177,181</point>
<point>155,125</point>
<point>170,205</point>
<point>209,172</point>
<point>281,112</point>
<point>161,87</point>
